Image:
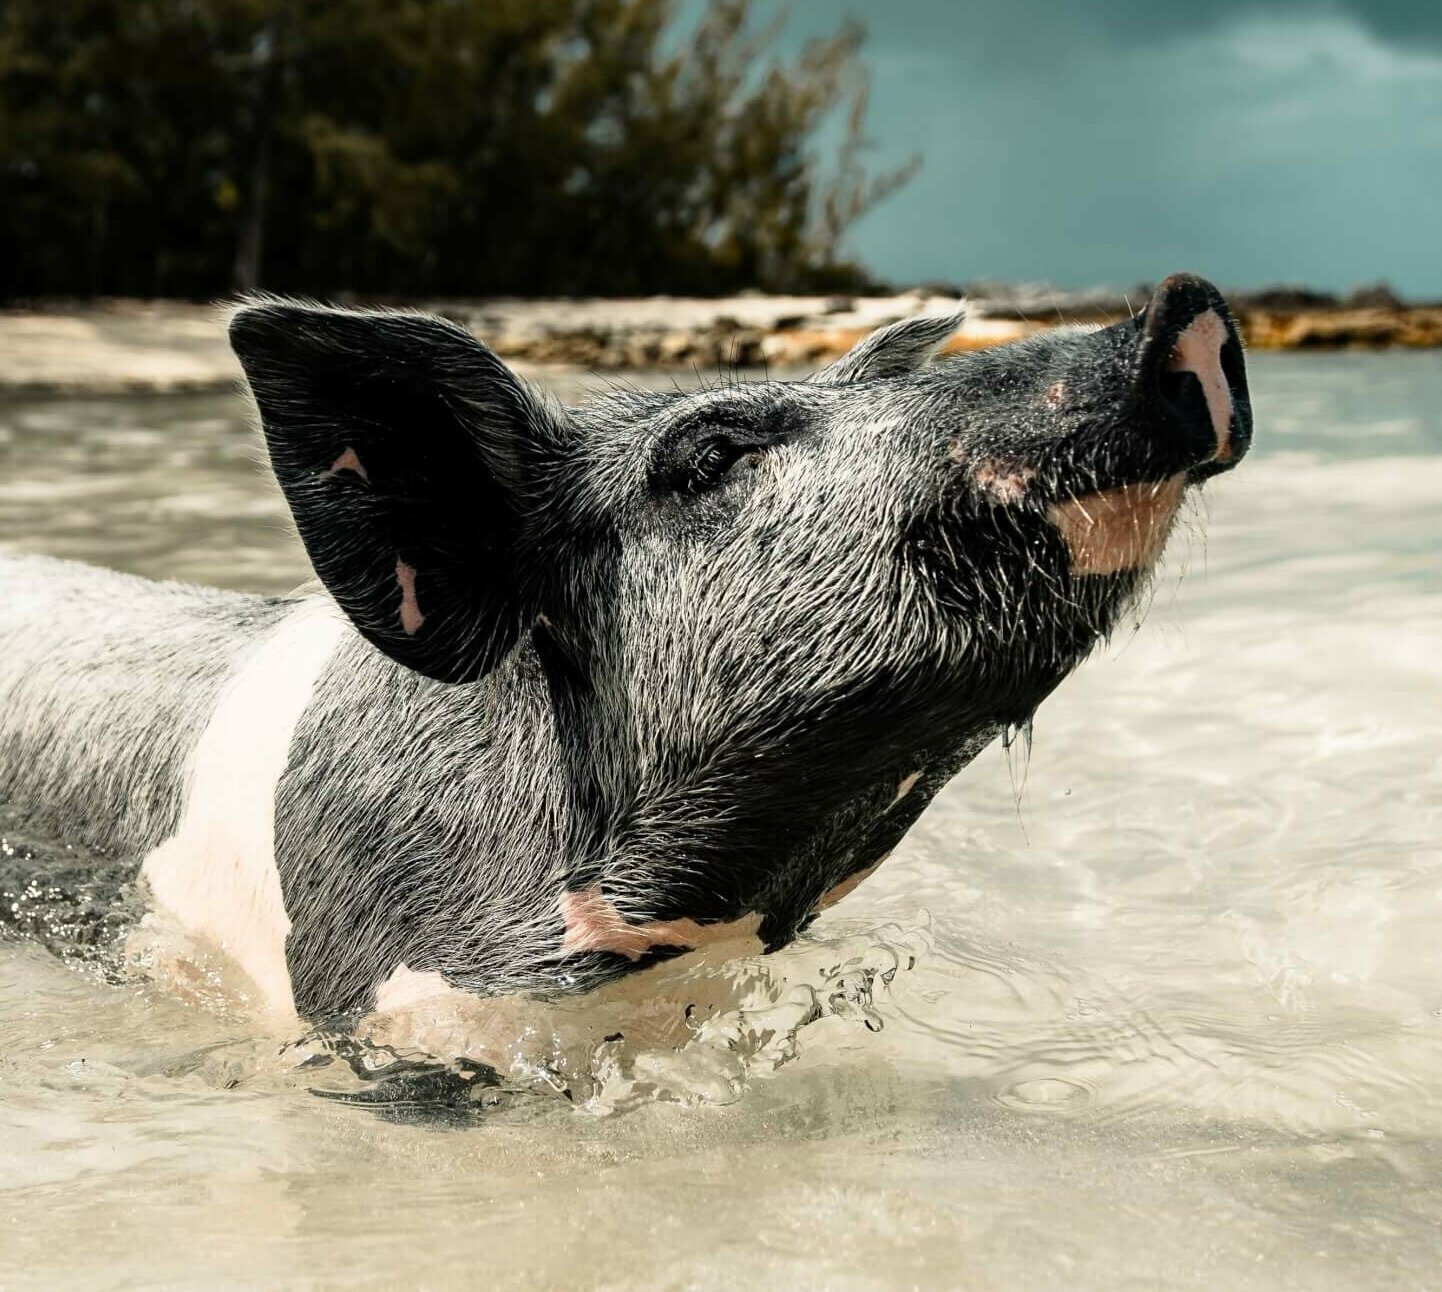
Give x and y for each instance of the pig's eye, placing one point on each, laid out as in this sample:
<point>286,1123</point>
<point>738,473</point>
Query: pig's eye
<point>712,463</point>
<point>710,450</point>
<point>698,464</point>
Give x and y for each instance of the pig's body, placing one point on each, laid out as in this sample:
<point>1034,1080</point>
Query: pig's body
<point>106,681</point>
<point>329,759</point>
<point>589,688</point>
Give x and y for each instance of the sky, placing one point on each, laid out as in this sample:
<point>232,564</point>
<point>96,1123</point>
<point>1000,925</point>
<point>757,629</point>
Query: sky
<point>1108,142</point>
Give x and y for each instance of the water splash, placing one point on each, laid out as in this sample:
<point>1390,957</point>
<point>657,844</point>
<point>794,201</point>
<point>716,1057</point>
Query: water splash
<point>688,1032</point>
<point>63,896</point>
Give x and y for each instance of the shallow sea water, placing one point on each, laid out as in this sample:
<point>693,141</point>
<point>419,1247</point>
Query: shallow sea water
<point>1159,1006</point>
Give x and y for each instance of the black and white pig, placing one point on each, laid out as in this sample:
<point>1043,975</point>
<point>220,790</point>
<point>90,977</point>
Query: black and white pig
<point>591,687</point>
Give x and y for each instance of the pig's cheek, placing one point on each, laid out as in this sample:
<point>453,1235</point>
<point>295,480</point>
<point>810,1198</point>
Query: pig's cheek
<point>999,479</point>
<point>1118,529</point>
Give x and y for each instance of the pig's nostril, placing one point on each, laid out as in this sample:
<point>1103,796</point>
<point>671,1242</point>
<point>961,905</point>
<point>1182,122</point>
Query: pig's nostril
<point>1173,386</point>
<point>1194,385</point>
<point>1233,368</point>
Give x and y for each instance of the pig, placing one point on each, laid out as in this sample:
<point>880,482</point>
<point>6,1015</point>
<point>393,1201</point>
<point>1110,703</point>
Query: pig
<point>589,688</point>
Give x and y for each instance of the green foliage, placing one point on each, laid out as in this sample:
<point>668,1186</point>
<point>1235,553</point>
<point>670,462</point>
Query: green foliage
<point>154,147</point>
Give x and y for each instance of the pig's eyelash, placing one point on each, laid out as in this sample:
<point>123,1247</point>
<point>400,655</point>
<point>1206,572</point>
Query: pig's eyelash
<point>698,453</point>
<point>696,463</point>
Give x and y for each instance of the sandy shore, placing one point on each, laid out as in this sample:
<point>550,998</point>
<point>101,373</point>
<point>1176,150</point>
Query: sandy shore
<point>113,347</point>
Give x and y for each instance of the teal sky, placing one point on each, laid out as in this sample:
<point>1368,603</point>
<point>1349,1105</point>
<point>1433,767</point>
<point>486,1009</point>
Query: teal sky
<point>1111,141</point>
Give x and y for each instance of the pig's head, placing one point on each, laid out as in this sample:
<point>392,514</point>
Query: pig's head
<point>774,617</point>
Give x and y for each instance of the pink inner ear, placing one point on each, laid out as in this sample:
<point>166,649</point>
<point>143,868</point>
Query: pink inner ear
<point>348,461</point>
<point>411,616</point>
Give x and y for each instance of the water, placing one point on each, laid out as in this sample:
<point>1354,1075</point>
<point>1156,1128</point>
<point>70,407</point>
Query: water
<point>1159,1006</point>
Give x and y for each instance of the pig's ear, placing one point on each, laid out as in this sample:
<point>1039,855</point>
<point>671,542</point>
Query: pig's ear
<point>892,351</point>
<point>411,458</point>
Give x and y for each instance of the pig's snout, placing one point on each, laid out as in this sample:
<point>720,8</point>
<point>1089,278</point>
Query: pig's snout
<point>1182,413</point>
<point>1191,373</point>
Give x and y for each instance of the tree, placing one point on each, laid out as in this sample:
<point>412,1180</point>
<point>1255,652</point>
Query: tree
<point>154,147</point>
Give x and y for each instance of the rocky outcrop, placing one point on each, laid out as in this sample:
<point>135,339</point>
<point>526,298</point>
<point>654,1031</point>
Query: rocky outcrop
<point>1337,329</point>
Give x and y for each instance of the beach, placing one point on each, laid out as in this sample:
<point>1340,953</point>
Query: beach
<point>108,347</point>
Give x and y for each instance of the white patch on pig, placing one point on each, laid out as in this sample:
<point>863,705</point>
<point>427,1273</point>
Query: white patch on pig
<point>406,988</point>
<point>907,784</point>
<point>422,1011</point>
<point>1199,351</point>
<point>411,617</point>
<point>518,1035</point>
<point>216,875</point>
<point>594,924</point>
<point>1118,529</point>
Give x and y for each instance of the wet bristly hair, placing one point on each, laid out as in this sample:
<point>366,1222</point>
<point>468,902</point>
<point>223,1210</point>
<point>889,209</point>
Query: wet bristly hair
<point>708,653</point>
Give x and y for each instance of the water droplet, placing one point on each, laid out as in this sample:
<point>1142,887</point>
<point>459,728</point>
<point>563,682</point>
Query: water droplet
<point>1045,1095</point>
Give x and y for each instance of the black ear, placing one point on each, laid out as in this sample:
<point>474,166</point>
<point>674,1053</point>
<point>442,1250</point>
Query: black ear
<point>411,458</point>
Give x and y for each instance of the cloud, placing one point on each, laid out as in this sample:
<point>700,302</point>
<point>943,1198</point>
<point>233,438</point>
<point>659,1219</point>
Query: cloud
<point>1018,24</point>
<point>1119,140</point>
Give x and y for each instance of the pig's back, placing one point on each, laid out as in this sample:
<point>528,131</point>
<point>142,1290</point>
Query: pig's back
<point>106,682</point>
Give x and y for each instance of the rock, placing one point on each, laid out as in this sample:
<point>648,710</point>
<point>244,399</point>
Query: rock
<point>676,347</point>
<point>1283,299</point>
<point>1376,296</point>
<point>1344,329</point>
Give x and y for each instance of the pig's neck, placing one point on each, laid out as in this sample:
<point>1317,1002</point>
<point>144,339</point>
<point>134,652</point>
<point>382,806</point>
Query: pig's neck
<point>424,825</point>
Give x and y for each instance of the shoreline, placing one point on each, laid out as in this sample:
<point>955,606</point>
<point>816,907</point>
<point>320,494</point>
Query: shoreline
<point>115,347</point>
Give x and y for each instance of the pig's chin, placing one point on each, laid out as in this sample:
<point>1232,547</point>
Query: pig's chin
<point>1121,530</point>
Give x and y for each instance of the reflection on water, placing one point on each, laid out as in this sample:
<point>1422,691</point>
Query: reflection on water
<point>1177,1020</point>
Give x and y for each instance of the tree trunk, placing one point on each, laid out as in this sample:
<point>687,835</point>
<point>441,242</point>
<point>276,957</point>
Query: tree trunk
<point>250,234</point>
<point>250,244</point>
